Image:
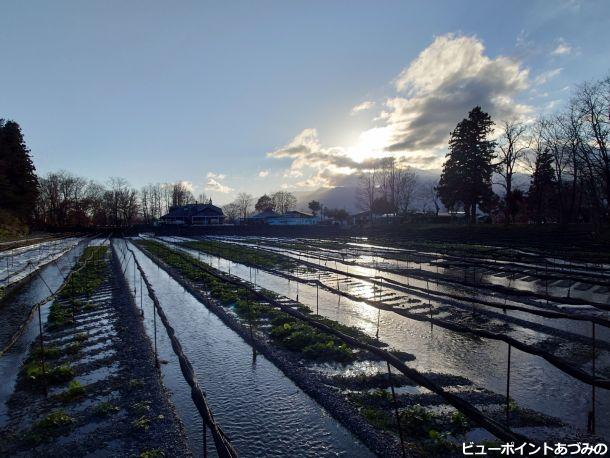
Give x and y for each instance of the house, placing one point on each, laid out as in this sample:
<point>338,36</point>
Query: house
<point>261,218</point>
<point>290,218</point>
<point>293,218</point>
<point>194,215</point>
<point>360,218</point>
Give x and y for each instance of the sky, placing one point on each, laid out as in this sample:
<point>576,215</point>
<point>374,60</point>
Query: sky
<point>258,96</point>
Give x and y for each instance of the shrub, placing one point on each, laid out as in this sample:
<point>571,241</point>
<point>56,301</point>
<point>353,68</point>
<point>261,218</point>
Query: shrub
<point>56,420</point>
<point>75,390</point>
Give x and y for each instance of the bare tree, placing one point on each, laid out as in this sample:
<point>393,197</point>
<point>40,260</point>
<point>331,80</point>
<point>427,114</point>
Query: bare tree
<point>555,142</point>
<point>405,185</point>
<point>181,195</point>
<point>513,144</point>
<point>232,211</point>
<point>593,104</point>
<point>283,201</point>
<point>244,203</point>
<point>202,198</point>
<point>368,190</point>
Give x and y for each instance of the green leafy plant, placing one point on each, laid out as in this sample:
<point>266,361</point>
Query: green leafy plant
<point>105,409</point>
<point>75,390</point>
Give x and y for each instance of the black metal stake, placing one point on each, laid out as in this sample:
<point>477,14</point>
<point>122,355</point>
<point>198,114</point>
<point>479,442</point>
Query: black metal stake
<point>508,385</point>
<point>155,332</point>
<point>398,425</point>
<point>592,414</point>
<point>44,376</point>
<point>205,440</point>
<point>318,296</point>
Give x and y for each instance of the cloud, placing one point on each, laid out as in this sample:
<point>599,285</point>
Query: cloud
<point>218,176</point>
<point>562,48</point>
<point>188,185</point>
<point>545,77</point>
<point>324,164</point>
<point>214,185</point>
<point>367,105</point>
<point>433,93</point>
<point>443,84</point>
<point>263,173</point>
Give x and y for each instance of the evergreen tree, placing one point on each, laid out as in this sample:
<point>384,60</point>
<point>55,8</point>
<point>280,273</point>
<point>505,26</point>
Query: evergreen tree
<point>466,177</point>
<point>18,181</point>
<point>264,203</point>
<point>314,206</point>
<point>543,188</point>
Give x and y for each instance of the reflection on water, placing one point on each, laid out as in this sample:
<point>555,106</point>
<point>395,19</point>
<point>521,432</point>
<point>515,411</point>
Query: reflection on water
<point>262,411</point>
<point>535,383</point>
<point>35,291</point>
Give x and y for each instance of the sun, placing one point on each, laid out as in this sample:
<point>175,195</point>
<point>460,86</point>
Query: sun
<point>370,144</point>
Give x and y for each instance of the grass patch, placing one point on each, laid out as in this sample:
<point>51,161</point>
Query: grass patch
<point>142,423</point>
<point>135,384</point>
<point>242,254</point>
<point>294,335</point>
<point>54,424</point>
<point>105,409</point>
<point>52,374</point>
<point>312,344</point>
<point>75,391</point>
<point>88,279</point>
<point>50,352</point>
<point>154,453</point>
<point>141,407</point>
<point>367,381</point>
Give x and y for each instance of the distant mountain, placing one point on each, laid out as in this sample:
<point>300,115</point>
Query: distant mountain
<point>345,194</point>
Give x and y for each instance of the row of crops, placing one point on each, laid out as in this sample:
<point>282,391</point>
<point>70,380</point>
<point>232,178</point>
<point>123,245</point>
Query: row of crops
<point>555,355</point>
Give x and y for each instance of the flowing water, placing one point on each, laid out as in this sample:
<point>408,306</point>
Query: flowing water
<point>262,411</point>
<point>535,383</point>
<point>50,279</point>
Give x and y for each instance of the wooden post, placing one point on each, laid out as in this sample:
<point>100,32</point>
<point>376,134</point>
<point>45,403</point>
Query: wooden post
<point>398,425</point>
<point>141,306</point>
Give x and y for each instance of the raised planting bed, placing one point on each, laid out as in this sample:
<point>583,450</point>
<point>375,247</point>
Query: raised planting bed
<point>79,391</point>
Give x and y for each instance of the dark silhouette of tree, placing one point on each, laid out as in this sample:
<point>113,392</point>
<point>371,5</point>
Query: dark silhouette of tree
<point>466,177</point>
<point>314,206</point>
<point>513,145</point>
<point>18,181</point>
<point>263,203</point>
<point>181,195</point>
<point>381,206</point>
<point>338,214</point>
<point>543,189</point>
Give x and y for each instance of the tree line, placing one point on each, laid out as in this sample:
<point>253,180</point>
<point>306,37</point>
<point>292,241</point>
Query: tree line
<point>564,157</point>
